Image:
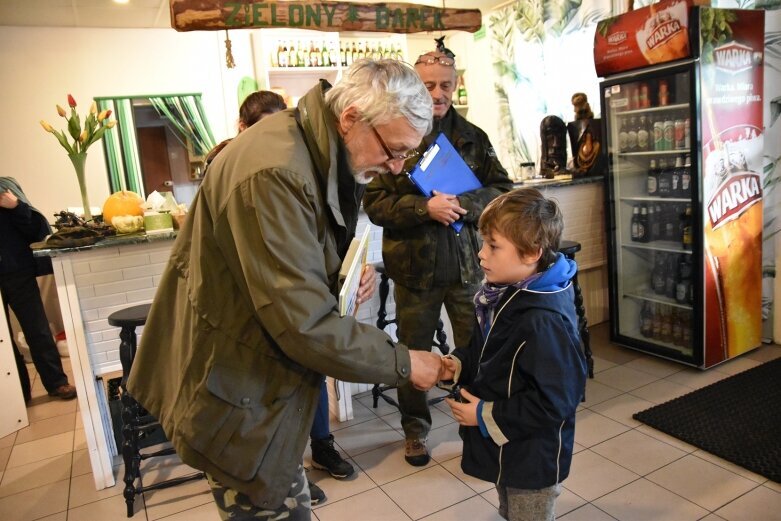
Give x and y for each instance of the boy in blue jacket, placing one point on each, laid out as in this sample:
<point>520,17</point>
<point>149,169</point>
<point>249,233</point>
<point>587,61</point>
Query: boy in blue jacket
<point>524,373</point>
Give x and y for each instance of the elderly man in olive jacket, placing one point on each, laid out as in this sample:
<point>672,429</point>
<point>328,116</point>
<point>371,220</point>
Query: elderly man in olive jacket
<point>245,322</point>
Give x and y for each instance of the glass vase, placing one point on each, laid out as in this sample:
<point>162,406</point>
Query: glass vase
<point>79,160</point>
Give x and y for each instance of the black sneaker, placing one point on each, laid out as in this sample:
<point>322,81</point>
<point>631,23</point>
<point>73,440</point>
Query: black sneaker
<point>316,493</point>
<point>326,457</point>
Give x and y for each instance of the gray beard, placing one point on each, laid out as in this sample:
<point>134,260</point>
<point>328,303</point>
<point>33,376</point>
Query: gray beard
<point>362,178</point>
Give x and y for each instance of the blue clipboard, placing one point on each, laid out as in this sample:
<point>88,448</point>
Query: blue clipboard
<point>442,169</point>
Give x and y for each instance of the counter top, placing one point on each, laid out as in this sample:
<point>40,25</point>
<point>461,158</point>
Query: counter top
<point>561,182</point>
<point>109,242</point>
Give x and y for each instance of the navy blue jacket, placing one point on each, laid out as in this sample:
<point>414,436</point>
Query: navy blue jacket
<point>530,372</point>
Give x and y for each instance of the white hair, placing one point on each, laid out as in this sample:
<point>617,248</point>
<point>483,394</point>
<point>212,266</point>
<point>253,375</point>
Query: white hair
<point>383,90</point>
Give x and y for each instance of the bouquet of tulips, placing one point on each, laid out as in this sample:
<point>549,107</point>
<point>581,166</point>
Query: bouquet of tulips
<point>95,125</point>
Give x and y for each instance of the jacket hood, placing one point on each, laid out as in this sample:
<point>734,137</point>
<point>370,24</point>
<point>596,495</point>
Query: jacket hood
<point>556,277</point>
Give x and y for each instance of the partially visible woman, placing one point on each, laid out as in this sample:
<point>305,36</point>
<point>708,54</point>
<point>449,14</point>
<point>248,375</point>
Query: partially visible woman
<point>255,107</point>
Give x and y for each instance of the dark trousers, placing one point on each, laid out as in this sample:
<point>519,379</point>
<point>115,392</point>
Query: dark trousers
<point>321,427</point>
<point>20,293</point>
<point>417,314</point>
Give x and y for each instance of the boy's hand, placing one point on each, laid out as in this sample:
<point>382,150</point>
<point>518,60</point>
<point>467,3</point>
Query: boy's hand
<point>448,371</point>
<point>465,413</point>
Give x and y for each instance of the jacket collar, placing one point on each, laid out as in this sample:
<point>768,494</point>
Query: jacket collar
<point>318,125</point>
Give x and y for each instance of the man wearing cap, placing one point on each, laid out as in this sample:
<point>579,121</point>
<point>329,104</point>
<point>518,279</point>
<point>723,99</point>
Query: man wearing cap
<point>429,262</point>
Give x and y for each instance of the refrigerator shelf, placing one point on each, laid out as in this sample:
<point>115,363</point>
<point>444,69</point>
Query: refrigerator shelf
<point>636,335</point>
<point>666,246</point>
<point>646,198</point>
<point>647,294</point>
<point>651,110</point>
<point>653,153</point>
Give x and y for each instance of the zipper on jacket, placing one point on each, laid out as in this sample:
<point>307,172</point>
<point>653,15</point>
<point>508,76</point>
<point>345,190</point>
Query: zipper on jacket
<point>493,322</point>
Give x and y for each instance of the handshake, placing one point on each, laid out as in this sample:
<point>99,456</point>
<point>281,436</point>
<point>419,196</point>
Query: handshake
<point>426,369</point>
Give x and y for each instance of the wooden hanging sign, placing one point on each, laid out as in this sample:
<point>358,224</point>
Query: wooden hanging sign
<point>217,15</point>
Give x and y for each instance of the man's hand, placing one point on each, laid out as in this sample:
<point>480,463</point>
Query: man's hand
<point>368,284</point>
<point>424,369</point>
<point>449,367</point>
<point>444,208</point>
<point>465,413</point>
<point>8,200</point>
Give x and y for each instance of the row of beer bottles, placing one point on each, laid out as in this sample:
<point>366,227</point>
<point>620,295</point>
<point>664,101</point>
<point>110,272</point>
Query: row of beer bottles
<point>666,323</point>
<point>662,222</point>
<point>668,179</point>
<point>652,93</point>
<point>654,132</point>
<point>672,277</point>
<point>313,53</point>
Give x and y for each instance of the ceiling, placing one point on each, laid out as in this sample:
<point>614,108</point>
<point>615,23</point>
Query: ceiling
<point>136,13</point>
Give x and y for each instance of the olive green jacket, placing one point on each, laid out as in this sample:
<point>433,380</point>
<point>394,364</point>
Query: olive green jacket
<point>245,321</point>
<point>409,236</point>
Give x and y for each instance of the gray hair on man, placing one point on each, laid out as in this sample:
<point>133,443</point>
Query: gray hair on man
<point>383,90</point>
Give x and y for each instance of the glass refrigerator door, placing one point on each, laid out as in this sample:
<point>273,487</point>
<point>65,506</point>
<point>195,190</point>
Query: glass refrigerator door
<point>649,125</point>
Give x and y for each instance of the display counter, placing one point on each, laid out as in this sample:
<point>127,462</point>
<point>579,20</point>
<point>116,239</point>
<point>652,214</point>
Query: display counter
<point>93,282</point>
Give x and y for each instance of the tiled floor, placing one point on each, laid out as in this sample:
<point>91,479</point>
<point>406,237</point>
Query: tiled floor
<point>621,470</point>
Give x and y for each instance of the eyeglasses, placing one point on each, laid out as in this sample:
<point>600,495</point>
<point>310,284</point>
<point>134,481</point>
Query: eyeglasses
<point>391,156</point>
<point>428,59</point>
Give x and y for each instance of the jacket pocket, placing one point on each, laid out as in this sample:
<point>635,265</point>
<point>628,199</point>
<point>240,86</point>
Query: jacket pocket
<point>234,417</point>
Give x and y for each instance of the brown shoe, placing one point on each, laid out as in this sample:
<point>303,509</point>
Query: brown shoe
<point>415,452</point>
<point>64,392</point>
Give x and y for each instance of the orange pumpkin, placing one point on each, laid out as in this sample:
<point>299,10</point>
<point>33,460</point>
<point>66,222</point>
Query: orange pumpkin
<point>122,203</point>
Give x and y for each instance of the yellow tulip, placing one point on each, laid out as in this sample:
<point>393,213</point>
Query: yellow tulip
<point>103,115</point>
<point>83,136</point>
<point>111,124</point>
<point>60,111</point>
<point>47,127</point>
<point>93,109</point>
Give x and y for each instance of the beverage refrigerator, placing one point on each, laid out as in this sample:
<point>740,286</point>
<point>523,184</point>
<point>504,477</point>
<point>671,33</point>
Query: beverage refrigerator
<point>682,113</point>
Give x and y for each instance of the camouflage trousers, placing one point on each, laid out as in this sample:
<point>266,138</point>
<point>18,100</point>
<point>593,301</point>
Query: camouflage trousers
<point>417,314</point>
<point>235,506</point>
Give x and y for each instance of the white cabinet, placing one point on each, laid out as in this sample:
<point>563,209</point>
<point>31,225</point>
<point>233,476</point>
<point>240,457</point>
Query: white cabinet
<point>292,61</point>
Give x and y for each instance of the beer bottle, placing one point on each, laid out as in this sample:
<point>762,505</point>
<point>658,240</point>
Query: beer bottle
<point>653,224</point>
<point>686,134</point>
<point>635,224</point>
<point>623,137</point>
<point>686,330</point>
<point>675,177</point>
<point>677,327</point>
<point>670,222</point>
<point>643,228</point>
<point>462,98</point>
<point>333,55</point>
<point>686,232</point>
<point>292,54</point>
<point>671,277</point>
<point>664,93</point>
<point>658,275</point>
<point>653,179</point>
<point>342,55</point>
<point>282,55</point>
<point>642,134</point>
<point>666,325</point>
<point>644,102</point>
<point>686,177</point>
<point>646,320</point>
<point>631,135</point>
<point>354,53</point>
<point>684,279</point>
<point>665,179</point>
<point>656,322</point>
<point>303,54</point>
<point>361,49</point>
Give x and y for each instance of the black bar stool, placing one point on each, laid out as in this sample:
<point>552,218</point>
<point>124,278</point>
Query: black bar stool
<point>569,249</point>
<point>383,322</point>
<point>136,421</point>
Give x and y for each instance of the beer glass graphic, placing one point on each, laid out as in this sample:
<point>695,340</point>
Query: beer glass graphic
<point>664,36</point>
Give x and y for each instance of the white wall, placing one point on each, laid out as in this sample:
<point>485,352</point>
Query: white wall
<point>42,65</point>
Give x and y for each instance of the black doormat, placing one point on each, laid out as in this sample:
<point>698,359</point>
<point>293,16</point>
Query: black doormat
<point>737,419</point>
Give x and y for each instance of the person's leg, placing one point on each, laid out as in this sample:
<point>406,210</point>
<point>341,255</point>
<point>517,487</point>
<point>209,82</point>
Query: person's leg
<point>21,366</point>
<point>24,298</point>
<point>232,505</point>
<point>532,505</point>
<point>460,307</point>
<point>324,455</point>
<point>502,491</point>
<point>417,315</point>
